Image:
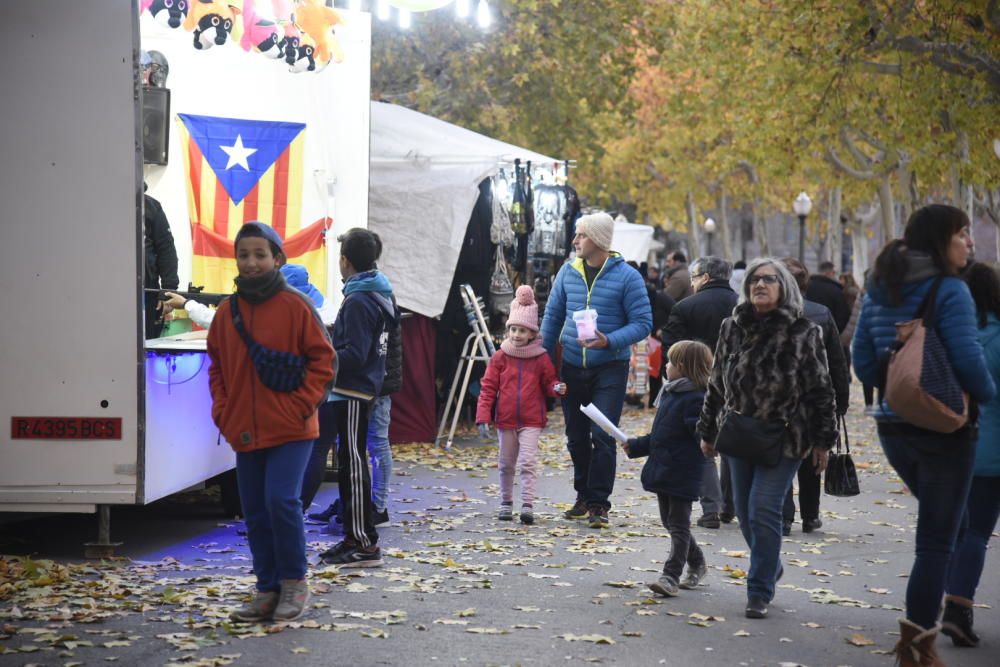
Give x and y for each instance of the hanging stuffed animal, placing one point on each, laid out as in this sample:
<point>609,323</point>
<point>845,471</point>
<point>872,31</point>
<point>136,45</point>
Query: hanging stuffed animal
<point>259,33</point>
<point>211,21</point>
<point>300,54</point>
<point>315,19</point>
<point>168,13</point>
<point>290,42</point>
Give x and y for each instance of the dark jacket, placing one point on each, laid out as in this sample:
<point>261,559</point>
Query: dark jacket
<point>830,293</point>
<point>394,358</point>
<point>673,446</point>
<point>772,368</point>
<point>161,256</point>
<point>700,316</point>
<point>840,375</point>
<point>679,282</point>
<point>361,335</point>
<point>663,304</point>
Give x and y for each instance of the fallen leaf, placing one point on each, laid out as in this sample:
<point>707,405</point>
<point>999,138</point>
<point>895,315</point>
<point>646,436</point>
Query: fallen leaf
<point>858,639</point>
<point>595,639</point>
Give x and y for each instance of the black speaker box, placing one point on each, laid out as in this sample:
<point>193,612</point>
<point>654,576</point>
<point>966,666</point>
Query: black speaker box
<point>155,124</point>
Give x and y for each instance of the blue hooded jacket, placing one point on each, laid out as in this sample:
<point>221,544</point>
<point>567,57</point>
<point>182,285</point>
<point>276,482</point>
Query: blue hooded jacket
<point>361,335</point>
<point>988,448</point>
<point>297,276</point>
<point>623,312</point>
<point>956,325</point>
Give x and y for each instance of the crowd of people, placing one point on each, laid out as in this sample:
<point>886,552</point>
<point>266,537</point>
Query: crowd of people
<point>756,368</point>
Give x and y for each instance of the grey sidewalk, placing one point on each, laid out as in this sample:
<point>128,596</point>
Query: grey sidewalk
<point>460,588</point>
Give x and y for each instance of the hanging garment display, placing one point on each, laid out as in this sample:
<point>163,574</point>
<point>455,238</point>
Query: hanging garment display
<point>551,212</point>
<point>572,214</point>
<point>501,288</point>
<point>501,232</point>
<point>519,204</point>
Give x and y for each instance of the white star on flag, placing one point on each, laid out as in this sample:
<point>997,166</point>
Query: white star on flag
<point>238,154</point>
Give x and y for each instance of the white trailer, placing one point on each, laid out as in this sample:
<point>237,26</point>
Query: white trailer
<point>98,417</point>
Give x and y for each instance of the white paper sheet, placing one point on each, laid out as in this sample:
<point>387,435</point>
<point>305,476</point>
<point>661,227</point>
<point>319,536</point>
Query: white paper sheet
<point>601,420</point>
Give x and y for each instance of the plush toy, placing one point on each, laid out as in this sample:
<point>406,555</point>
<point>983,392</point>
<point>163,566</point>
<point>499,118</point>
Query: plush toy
<point>300,54</point>
<point>211,21</point>
<point>259,33</point>
<point>315,19</point>
<point>168,13</point>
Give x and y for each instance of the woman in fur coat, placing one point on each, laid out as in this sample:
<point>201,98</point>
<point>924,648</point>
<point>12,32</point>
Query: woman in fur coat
<point>770,364</point>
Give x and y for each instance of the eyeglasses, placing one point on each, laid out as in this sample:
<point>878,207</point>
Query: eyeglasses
<point>698,275</point>
<point>766,279</point>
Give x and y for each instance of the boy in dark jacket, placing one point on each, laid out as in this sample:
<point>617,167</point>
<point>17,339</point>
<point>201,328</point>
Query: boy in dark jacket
<point>674,469</point>
<point>360,337</point>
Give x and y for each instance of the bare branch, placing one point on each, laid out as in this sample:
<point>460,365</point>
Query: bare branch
<point>879,68</point>
<point>655,173</point>
<point>833,158</point>
<point>846,137</point>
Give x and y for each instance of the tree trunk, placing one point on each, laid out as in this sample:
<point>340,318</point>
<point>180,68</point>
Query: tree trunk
<point>907,203</point>
<point>887,206</point>
<point>835,229</point>
<point>694,247</point>
<point>725,232</point>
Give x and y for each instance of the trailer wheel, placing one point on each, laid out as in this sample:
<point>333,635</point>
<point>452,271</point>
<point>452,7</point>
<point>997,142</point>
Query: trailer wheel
<point>230,494</point>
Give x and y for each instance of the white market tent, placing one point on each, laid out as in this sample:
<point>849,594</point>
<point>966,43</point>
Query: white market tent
<point>633,241</point>
<point>423,184</point>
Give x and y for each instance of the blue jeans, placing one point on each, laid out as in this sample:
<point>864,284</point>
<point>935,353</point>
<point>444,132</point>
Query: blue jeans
<point>270,482</point>
<point>759,494</point>
<point>711,489</point>
<point>316,468</point>
<point>982,512</point>
<point>592,450</point>
<point>380,451</point>
<point>937,469</point>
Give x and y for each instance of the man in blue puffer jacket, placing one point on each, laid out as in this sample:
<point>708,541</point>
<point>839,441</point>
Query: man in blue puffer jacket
<point>595,371</point>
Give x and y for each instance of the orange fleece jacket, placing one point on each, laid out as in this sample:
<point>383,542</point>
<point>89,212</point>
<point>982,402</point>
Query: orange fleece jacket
<point>250,415</point>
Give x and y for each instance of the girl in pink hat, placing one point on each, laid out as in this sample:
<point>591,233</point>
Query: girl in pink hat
<point>518,379</point>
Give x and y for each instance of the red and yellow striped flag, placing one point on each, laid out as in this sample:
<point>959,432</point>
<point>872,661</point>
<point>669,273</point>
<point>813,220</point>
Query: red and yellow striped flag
<point>242,170</point>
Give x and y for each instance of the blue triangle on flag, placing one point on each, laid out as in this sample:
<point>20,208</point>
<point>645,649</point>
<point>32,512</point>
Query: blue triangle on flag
<point>240,151</point>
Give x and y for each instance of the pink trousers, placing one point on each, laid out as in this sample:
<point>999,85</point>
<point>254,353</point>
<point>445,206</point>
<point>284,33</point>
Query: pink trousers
<point>518,448</point>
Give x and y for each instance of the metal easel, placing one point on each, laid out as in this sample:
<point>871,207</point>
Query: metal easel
<point>478,347</point>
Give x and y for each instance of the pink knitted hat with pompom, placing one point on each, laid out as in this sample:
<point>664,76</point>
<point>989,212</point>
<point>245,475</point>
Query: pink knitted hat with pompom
<point>523,309</point>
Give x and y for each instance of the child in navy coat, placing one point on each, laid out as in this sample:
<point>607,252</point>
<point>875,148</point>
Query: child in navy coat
<point>674,469</point>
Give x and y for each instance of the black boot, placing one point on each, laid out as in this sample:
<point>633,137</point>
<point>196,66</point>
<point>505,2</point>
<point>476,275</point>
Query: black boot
<point>957,623</point>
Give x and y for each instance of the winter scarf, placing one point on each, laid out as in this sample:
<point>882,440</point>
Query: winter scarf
<point>529,351</point>
<point>260,288</point>
<point>678,386</point>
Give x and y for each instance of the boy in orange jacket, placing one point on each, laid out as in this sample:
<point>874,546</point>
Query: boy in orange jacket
<point>271,431</point>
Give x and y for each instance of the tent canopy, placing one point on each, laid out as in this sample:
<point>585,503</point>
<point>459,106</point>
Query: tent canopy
<point>424,182</point>
<point>633,241</point>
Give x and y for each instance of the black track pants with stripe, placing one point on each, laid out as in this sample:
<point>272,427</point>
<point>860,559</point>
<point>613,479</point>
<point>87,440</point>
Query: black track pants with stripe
<point>354,476</point>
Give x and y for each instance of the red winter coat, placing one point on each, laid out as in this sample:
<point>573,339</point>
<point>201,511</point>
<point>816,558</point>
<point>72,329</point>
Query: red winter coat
<point>518,388</point>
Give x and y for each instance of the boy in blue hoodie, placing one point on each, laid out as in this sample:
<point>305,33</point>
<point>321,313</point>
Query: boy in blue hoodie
<point>360,337</point>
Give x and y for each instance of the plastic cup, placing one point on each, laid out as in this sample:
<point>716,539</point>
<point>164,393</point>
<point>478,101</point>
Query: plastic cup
<point>586,323</point>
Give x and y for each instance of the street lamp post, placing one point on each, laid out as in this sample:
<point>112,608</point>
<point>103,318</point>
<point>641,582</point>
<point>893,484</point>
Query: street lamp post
<point>802,205</point>
<point>710,232</point>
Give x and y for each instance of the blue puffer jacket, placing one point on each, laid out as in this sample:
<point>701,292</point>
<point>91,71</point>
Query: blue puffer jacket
<point>956,327</point>
<point>988,449</point>
<point>623,312</point>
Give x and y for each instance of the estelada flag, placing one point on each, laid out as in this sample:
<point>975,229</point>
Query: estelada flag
<point>241,170</point>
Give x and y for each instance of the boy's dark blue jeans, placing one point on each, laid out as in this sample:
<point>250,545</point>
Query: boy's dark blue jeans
<point>592,450</point>
<point>270,482</point>
<point>937,469</point>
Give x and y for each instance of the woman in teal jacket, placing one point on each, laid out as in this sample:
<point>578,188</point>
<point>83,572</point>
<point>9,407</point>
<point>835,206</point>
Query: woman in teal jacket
<point>936,467</point>
<point>983,505</point>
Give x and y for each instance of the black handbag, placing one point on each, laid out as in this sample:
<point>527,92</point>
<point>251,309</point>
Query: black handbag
<point>280,371</point>
<point>755,440</point>
<point>841,477</point>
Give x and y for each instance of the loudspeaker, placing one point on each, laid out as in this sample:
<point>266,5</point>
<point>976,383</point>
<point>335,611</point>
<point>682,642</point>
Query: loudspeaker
<point>155,124</point>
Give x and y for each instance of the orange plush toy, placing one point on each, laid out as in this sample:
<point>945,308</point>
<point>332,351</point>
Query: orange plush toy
<point>313,18</point>
<point>212,22</point>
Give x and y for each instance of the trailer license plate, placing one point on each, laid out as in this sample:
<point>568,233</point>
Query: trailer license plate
<point>66,428</point>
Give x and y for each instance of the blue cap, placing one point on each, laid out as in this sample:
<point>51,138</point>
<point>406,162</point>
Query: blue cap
<point>261,230</point>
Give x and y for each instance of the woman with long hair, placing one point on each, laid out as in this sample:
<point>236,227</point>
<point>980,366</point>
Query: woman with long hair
<point>936,467</point>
